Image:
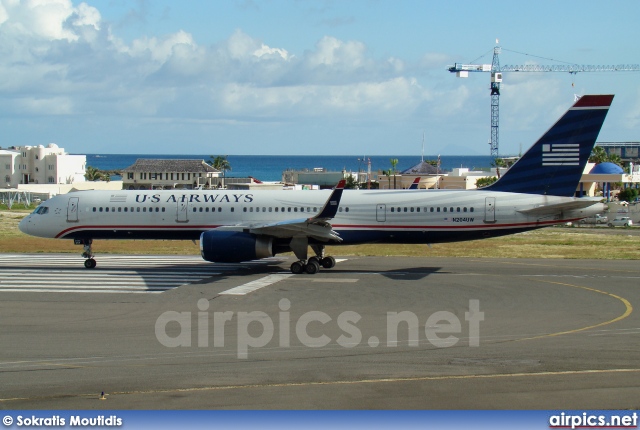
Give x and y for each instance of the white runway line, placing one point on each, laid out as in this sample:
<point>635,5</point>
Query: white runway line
<point>138,274</point>
<point>249,287</point>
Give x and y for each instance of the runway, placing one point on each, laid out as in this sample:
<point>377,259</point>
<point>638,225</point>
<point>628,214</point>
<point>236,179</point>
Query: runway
<point>402,333</point>
<point>140,274</point>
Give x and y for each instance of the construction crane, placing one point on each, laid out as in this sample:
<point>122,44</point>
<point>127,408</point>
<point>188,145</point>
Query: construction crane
<point>462,71</point>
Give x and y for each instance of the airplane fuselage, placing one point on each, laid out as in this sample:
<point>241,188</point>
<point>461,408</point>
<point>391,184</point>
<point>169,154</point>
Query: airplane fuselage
<point>395,216</point>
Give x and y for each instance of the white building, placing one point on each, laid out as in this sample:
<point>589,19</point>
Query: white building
<point>20,165</point>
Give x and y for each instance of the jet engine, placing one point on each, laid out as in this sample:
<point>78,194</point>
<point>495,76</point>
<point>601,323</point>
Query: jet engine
<point>234,246</point>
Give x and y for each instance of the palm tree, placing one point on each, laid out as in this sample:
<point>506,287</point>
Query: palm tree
<point>394,163</point>
<point>93,174</point>
<point>220,163</point>
<point>599,155</point>
<point>387,173</point>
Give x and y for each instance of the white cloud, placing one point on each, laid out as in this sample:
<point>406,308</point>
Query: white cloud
<point>336,53</point>
<point>160,50</point>
<point>46,19</point>
<point>55,52</point>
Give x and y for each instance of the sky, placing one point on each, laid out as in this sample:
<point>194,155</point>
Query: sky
<point>296,77</point>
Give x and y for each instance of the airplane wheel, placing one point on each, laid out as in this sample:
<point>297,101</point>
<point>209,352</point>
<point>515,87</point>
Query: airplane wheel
<point>312,267</point>
<point>90,263</point>
<point>328,262</point>
<point>316,259</point>
<point>297,268</point>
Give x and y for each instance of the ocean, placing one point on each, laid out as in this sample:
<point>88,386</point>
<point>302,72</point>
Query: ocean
<point>270,167</point>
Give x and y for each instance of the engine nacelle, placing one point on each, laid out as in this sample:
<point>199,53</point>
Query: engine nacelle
<point>234,246</point>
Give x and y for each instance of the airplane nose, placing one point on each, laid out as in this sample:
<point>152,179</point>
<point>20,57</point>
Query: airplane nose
<point>25,224</point>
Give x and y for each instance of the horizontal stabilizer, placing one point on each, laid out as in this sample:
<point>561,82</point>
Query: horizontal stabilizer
<point>555,208</point>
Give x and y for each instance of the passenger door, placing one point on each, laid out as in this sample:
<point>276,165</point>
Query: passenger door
<point>381,213</point>
<point>72,209</point>
<point>490,209</point>
<point>183,211</point>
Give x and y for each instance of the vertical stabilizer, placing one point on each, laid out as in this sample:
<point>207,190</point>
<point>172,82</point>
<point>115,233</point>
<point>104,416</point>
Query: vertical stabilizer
<point>555,163</point>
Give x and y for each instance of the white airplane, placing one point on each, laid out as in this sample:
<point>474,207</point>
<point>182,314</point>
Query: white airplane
<point>235,226</point>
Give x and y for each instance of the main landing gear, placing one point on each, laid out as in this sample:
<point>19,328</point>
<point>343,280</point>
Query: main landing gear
<point>87,253</point>
<point>312,265</point>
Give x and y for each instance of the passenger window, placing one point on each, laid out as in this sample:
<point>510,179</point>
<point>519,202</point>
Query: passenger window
<point>194,209</point>
<point>138,209</point>
<point>438,209</point>
<point>339,209</point>
<point>162,209</point>
<point>457,209</point>
<point>94,209</point>
<point>276,209</point>
<point>346,209</point>
<point>411,210</point>
<point>200,210</point>
<point>144,209</point>
<point>470,209</point>
<point>444,209</point>
<point>405,209</point>
<point>232,209</point>
<point>464,209</point>
<point>119,209</point>
<point>106,209</point>
<point>393,209</point>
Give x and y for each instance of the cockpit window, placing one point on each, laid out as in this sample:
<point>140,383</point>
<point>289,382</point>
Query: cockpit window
<point>41,210</point>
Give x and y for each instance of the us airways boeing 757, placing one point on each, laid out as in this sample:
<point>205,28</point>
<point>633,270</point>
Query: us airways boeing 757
<point>234,226</point>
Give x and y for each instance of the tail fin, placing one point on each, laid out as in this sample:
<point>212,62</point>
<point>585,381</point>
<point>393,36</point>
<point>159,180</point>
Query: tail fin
<point>414,185</point>
<point>555,163</point>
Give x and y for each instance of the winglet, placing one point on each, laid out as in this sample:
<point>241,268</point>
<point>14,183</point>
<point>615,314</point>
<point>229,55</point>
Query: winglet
<point>414,185</point>
<point>330,207</point>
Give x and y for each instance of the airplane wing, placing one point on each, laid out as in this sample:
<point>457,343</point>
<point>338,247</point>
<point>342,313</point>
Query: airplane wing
<point>317,227</point>
<point>555,208</point>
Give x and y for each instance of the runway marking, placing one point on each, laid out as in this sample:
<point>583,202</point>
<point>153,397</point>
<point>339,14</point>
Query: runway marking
<point>252,286</point>
<point>249,287</point>
<point>334,280</point>
<point>627,312</point>
<point>62,273</point>
<point>354,382</point>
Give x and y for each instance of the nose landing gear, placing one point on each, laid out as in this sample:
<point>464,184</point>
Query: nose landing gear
<point>87,253</point>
